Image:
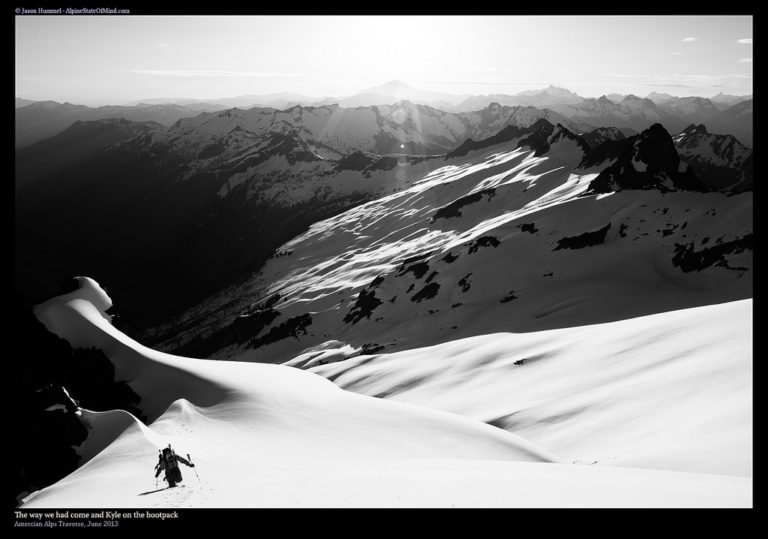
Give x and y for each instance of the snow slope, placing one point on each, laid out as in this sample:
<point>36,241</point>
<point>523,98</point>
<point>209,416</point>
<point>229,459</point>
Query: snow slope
<point>668,391</point>
<point>498,240</point>
<point>268,435</point>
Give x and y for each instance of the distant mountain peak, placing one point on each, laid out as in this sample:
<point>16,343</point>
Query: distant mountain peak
<point>392,86</point>
<point>656,96</point>
<point>397,83</point>
<point>552,89</point>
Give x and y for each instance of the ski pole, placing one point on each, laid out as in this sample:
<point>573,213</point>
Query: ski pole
<point>193,467</point>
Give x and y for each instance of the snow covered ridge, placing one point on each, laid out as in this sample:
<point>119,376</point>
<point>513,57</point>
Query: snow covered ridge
<point>275,436</point>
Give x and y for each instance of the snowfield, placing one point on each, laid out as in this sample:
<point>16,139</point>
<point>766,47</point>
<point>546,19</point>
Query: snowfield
<point>668,391</point>
<point>276,436</point>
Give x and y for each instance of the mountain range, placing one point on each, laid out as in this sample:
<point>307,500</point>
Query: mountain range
<point>39,120</point>
<point>174,191</point>
<point>532,190</point>
<point>431,258</point>
<point>259,175</point>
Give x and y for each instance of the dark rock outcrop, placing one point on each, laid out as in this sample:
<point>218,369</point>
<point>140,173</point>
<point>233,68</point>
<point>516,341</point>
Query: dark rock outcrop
<point>428,292</point>
<point>587,239</point>
<point>293,327</point>
<point>51,380</point>
<point>721,161</point>
<point>454,208</point>
<point>647,161</point>
<point>364,306</point>
<point>688,259</point>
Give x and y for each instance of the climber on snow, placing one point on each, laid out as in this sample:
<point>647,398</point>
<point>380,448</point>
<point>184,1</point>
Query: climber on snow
<point>169,461</point>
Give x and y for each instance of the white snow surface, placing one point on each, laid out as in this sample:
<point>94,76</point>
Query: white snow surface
<point>667,391</point>
<point>275,436</point>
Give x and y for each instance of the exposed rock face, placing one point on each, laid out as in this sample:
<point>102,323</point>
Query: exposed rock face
<point>647,161</point>
<point>721,161</point>
<point>52,381</point>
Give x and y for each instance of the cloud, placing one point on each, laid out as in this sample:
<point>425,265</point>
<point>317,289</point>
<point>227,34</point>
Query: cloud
<point>733,82</point>
<point>689,39</point>
<point>163,45</point>
<point>675,53</point>
<point>745,41</point>
<point>203,73</point>
<point>670,85</point>
<point>746,60</point>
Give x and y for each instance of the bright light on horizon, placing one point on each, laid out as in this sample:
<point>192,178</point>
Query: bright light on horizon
<point>114,60</point>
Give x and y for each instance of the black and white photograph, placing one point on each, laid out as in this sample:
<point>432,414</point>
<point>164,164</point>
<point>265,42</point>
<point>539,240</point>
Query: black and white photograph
<point>379,261</point>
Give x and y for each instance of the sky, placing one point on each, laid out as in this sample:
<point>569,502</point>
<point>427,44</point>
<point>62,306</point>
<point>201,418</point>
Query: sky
<point>95,60</point>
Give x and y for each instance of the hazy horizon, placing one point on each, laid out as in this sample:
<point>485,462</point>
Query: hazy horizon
<point>98,60</point>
